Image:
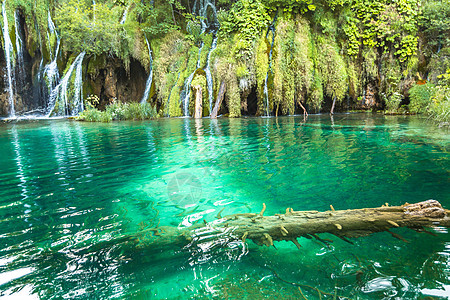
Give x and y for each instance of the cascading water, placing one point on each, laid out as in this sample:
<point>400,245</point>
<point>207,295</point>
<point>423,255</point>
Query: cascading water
<point>124,16</point>
<point>266,90</point>
<point>10,61</point>
<point>148,84</point>
<point>200,8</point>
<point>51,73</point>
<point>187,85</point>
<point>93,10</point>
<point>59,102</point>
<point>209,79</point>
<point>78,85</point>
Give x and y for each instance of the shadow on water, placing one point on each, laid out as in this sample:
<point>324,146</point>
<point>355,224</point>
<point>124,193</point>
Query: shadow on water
<point>67,189</point>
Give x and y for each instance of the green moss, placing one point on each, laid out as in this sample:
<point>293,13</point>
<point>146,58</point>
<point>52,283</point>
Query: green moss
<point>315,96</point>
<point>207,41</point>
<point>420,97</point>
<point>332,68</point>
<point>170,59</point>
<point>174,104</point>
<point>199,80</point>
<point>262,67</point>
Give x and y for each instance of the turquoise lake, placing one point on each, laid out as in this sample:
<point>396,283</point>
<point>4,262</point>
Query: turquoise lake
<point>67,187</point>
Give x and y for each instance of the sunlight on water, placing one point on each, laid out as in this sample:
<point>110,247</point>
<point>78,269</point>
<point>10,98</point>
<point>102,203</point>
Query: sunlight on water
<point>67,189</point>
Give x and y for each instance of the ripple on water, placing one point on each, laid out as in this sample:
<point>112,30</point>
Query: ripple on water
<point>67,189</point>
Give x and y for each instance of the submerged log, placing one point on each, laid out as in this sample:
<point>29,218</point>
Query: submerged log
<point>265,230</point>
<point>219,100</point>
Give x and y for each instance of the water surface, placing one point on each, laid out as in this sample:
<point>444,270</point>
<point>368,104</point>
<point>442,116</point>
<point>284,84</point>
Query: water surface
<point>66,186</point>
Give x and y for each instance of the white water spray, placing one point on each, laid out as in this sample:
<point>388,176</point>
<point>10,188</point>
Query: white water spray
<point>59,103</point>
<point>209,79</point>
<point>124,16</point>
<point>9,55</point>
<point>148,84</point>
<point>187,85</point>
<point>200,8</point>
<point>51,73</point>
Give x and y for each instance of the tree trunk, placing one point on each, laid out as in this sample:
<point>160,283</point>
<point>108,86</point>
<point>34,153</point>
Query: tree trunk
<point>264,230</point>
<point>332,106</point>
<point>305,113</point>
<point>198,102</point>
<point>219,100</point>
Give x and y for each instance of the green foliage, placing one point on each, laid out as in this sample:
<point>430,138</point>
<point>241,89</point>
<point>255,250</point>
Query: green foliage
<point>392,101</point>
<point>35,14</point>
<point>420,96</point>
<point>156,20</point>
<point>199,80</point>
<point>248,18</point>
<point>439,64</point>
<point>292,66</point>
<point>388,25</point>
<point>391,77</point>
<point>315,96</point>
<point>439,107</point>
<point>262,67</point>
<point>117,111</point>
<point>435,23</point>
<point>84,28</point>
<point>290,7</point>
<point>225,69</point>
<point>332,68</point>
<point>170,61</point>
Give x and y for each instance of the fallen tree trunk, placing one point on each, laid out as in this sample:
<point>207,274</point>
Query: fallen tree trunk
<point>264,230</point>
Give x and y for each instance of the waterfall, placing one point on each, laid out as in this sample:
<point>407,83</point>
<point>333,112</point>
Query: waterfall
<point>200,8</point>
<point>266,90</point>
<point>9,56</point>
<point>209,79</point>
<point>59,102</point>
<point>19,53</point>
<point>78,97</point>
<point>50,73</point>
<point>187,85</point>
<point>93,10</point>
<point>148,84</point>
<point>124,16</point>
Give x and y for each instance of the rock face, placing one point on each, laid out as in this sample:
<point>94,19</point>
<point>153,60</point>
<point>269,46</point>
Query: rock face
<point>24,100</point>
<point>109,80</point>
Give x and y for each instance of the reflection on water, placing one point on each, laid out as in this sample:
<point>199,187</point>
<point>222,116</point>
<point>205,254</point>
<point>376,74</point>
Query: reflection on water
<point>67,189</point>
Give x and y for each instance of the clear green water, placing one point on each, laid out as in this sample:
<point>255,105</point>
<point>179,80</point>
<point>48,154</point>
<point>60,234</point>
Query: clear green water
<point>65,186</point>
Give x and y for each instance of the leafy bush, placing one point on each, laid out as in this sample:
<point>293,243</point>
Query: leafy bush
<point>439,107</point>
<point>118,112</point>
<point>87,28</point>
<point>392,101</point>
<point>419,96</point>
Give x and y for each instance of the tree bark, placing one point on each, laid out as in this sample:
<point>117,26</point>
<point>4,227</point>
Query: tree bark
<point>198,102</point>
<point>219,100</point>
<point>332,106</point>
<point>305,113</point>
<point>264,230</point>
